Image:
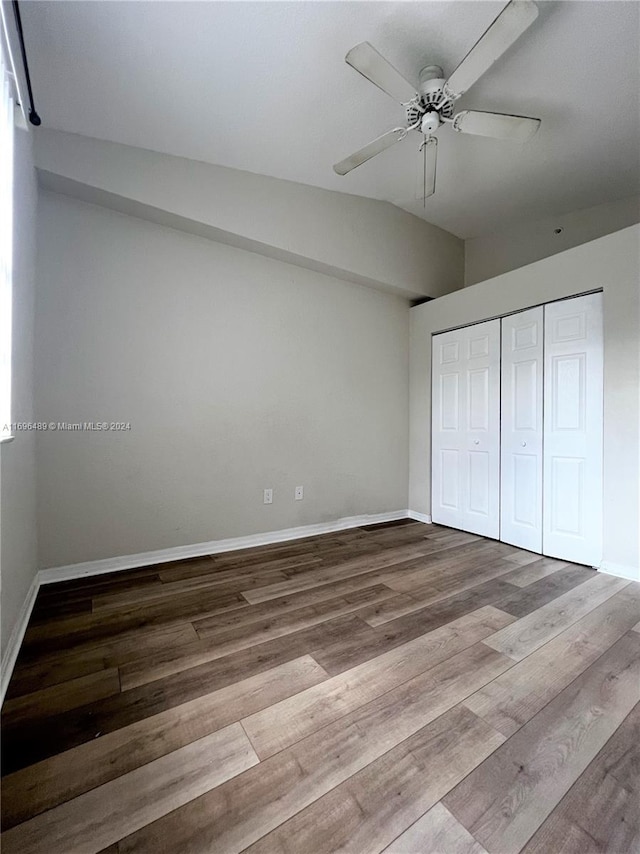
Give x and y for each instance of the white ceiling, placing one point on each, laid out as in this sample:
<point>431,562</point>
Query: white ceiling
<point>263,86</point>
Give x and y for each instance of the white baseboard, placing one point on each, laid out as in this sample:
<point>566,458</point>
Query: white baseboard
<point>13,646</point>
<point>419,517</point>
<point>620,570</point>
<point>115,564</point>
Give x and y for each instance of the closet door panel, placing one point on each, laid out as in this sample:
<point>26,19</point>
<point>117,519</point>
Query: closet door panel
<point>573,430</point>
<point>466,428</point>
<point>479,499</point>
<point>521,429</point>
<point>450,480</point>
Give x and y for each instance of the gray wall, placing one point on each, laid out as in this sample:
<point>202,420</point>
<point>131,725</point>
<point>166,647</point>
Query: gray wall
<point>486,257</point>
<point>611,263</point>
<point>237,373</point>
<point>18,548</point>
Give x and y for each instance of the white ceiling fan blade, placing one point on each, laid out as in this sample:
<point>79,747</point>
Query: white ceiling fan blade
<point>372,65</point>
<point>375,147</point>
<point>427,172</point>
<point>496,125</point>
<point>515,18</point>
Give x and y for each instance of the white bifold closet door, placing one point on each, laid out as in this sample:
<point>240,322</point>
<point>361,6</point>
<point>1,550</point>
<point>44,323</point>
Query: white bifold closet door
<point>466,429</point>
<point>521,430</point>
<point>573,427</point>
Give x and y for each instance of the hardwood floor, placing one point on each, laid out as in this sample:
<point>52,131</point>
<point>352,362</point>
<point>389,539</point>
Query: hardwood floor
<point>400,688</point>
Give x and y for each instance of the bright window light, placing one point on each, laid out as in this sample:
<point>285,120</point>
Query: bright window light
<point>6,244</point>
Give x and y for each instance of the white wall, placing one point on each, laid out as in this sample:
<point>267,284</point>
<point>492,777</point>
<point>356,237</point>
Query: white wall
<point>237,372</point>
<point>611,263</point>
<point>356,239</point>
<point>486,257</point>
<point>18,547</point>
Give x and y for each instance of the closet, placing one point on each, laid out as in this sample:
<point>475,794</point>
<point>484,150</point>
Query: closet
<point>517,429</point>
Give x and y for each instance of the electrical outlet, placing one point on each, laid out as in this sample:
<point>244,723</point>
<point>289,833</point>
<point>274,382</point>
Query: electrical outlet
<point>268,496</point>
<point>299,494</point>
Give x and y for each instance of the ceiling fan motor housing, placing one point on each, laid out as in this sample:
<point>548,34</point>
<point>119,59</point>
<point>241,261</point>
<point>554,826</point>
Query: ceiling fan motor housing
<point>430,93</point>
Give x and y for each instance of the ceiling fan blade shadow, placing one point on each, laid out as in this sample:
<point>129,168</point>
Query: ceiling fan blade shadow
<point>496,125</point>
<point>367,61</point>
<point>516,17</point>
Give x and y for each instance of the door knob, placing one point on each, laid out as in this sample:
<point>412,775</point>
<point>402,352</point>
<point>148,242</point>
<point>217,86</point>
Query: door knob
<point>476,441</point>
<point>524,444</point>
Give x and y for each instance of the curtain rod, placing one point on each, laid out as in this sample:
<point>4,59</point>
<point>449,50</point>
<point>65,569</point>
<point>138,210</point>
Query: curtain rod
<point>34,118</point>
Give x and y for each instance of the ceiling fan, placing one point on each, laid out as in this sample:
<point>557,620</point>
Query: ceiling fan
<point>433,102</point>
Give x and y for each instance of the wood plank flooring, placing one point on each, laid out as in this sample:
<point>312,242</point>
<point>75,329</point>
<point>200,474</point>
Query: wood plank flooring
<point>400,688</point>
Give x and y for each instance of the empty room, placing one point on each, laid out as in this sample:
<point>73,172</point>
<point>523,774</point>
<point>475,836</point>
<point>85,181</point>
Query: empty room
<point>320,426</point>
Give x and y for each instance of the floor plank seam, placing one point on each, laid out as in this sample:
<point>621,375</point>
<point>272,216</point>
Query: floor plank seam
<point>250,740</point>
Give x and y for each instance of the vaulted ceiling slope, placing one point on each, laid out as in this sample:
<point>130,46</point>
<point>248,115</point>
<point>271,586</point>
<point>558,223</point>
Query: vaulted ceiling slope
<point>263,87</point>
<point>359,240</point>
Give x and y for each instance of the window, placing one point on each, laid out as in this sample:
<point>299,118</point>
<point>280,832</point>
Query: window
<point>6,242</point>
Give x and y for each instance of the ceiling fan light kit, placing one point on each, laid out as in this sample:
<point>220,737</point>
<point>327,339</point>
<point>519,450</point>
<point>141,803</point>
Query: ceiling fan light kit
<point>430,123</point>
<point>431,103</point>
